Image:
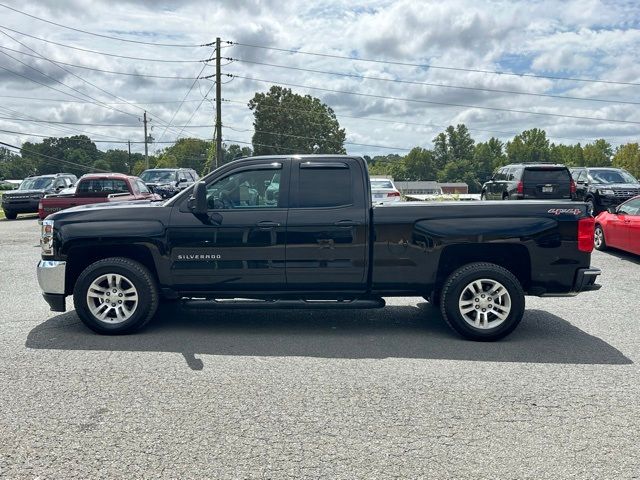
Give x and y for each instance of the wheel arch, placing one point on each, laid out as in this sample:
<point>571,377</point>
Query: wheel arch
<point>81,255</point>
<point>513,257</point>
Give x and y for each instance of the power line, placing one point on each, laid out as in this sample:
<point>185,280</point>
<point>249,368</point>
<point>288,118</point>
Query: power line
<point>182,103</point>
<point>435,67</point>
<point>438,85</point>
<point>37,135</point>
<point>197,108</point>
<point>172,77</point>
<point>432,102</point>
<point>60,160</point>
<point>146,59</point>
<point>102,104</point>
<point>181,45</point>
<point>316,138</point>
<point>18,97</point>
<point>398,122</point>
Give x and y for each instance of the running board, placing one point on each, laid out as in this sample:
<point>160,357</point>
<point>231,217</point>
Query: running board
<point>285,304</point>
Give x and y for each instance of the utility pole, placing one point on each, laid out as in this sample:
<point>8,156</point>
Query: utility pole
<point>218,108</point>
<point>129,161</point>
<point>146,141</point>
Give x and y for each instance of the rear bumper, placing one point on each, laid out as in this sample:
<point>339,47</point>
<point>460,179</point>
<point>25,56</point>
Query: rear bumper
<point>51,278</point>
<point>585,281</point>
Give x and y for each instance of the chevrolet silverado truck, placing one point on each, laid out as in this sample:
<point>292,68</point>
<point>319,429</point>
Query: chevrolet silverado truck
<point>301,232</point>
<point>97,188</point>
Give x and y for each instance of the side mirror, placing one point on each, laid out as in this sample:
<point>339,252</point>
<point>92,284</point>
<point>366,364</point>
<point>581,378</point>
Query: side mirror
<point>612,210</point>
<point>198,201</point>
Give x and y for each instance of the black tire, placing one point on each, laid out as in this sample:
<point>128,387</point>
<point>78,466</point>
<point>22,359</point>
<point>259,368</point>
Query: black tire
<point>137,275</point>
<point>592,209</point>
<point>600,244</point>
<point>10,215</point>
<point>458,281</point>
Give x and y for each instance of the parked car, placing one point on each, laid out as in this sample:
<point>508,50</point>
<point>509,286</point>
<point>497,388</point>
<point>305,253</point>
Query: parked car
<point>384,191</point>
<point>97,188</point>
<point>32,189</point>
<point>166,182</point>
<point>619,227</point>
<point>530,181</point>
<point>323,245</point>
<point>604,187</point>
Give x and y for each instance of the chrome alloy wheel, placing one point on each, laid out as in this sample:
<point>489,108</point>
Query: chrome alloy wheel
<point>112,298</point>
<point>598,237</point>
<point>484,304</point>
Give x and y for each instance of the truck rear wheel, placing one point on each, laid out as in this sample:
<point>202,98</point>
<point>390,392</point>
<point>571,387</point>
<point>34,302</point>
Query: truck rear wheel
<point>482,301</point>
<point>115,296</point>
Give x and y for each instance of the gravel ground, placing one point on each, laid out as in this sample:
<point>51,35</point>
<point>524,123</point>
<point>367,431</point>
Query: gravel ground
<point>378,394</point>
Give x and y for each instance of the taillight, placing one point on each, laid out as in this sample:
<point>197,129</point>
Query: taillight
<point>40,209</point>
<point>572,186</point>
<point>585,234</point>
<point>393,194</point>
<point>520,187</point>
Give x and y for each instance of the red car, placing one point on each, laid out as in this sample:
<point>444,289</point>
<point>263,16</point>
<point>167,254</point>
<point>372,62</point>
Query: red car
<point>619,227</point>
<point>98,188</point>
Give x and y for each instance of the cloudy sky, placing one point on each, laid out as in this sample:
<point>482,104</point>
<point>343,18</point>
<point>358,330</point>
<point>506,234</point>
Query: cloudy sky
<point>427,42</point>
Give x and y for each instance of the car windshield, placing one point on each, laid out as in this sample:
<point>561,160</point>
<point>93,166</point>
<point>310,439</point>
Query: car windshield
<point>611,176</point>
<point>381,184</point>
<point>36,183</point>
<point>157,176</point>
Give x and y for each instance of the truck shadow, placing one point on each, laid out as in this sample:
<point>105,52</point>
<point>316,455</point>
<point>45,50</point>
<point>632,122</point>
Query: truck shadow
<point>395,331</point>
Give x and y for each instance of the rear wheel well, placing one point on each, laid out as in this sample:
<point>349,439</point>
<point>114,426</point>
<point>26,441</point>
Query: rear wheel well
<point>81,256</point>
<point>513,257</point>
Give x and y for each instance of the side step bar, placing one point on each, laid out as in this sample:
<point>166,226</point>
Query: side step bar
<point>286,304</point>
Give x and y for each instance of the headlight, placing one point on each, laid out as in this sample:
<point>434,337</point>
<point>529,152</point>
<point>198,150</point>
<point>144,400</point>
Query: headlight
<point>46,237</point>
<point>607,192</point>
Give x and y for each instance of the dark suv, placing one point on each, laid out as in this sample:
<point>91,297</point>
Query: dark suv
<point>32,189</point>
<point>604,187</point>
<point>530,181</point>
<point>166,182</point>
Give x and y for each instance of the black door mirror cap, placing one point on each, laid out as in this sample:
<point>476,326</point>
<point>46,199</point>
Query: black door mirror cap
<point>613,210</point>
<point>198,200</point>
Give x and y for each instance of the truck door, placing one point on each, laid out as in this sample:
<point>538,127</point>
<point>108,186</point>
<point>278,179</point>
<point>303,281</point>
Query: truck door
<point>240,245</point>
<point>328,226</point>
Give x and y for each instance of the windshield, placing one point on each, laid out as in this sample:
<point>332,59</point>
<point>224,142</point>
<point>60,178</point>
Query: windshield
<point>41,183</point>
<point>611,176</point>
<point>381,184</point>
<point>158,176</point>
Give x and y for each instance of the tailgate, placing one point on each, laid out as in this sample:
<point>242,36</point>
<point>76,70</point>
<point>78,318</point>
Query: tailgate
<point>546,182</point>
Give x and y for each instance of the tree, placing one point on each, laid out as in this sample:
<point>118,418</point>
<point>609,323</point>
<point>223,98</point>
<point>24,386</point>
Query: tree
<point>286,123</point>
<point>64,154</point>
<point>117,160</point>
<point>487,157</point>
<point>570,155</point>
<point>453,155</point>
<point>419,165</point>
<point>598,153</point>
<point>529,146</point>
<point>185,153</point>
<point>14,167</point>
<point>628,157</point>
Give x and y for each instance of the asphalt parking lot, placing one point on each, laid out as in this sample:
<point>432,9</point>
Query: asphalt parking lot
<point>345,394</point>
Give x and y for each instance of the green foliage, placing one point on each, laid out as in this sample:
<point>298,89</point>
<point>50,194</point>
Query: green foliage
<point>286,122</point>
<point>488,156</point>
<point>628,157</point>
<point>598,154</point>
<point>529,146</point>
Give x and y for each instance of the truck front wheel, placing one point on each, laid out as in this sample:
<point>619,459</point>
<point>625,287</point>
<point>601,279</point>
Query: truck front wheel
<point>115,296</point>
<point>482,301</point>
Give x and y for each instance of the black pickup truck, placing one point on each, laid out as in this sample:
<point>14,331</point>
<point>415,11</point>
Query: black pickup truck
<point>301,232</point>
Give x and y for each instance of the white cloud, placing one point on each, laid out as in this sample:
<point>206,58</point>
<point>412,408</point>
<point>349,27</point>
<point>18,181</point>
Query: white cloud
<point>590,39</point>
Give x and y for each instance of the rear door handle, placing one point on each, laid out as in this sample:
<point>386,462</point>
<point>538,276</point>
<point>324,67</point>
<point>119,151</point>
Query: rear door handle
<point>267,224</point>
<point>346,223</point>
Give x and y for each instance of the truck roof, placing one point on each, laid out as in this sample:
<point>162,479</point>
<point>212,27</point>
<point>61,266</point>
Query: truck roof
<point>105,175</point>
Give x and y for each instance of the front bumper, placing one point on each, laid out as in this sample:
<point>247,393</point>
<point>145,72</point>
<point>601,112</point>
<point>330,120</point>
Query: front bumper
<point>51,277</point>
<point>29,205</point>
<point>584,281</point>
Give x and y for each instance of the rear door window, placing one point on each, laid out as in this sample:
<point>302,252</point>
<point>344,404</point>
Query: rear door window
<point>546,175</point>
<point>324,186</point>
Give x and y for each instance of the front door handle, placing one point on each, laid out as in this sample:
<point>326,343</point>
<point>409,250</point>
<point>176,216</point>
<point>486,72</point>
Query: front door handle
<point>268,225</point>
<point>346,223</point>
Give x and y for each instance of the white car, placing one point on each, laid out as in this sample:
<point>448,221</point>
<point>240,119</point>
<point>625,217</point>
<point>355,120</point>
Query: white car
<point>384,191</point>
